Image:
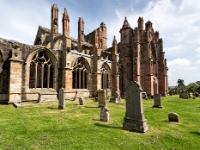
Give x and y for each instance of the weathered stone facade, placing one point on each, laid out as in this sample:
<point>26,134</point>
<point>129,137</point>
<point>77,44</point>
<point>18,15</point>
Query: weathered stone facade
<point>81,66</point>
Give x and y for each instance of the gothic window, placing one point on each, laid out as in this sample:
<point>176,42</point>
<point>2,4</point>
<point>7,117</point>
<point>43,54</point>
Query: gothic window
<point>104,78</point>
<point>79,75</point>
<point>41,71</point>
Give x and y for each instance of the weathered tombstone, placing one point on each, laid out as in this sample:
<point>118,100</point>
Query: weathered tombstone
<point>101,98</point>
<point>144,95</point>
<point>104,115</point>
<point>157,101</point>
<point>173,117</point>
<point>134,119</point>
<point>61,99</point>
<point>184,95</point>
<point>81,100</point>
<point>116,98</point>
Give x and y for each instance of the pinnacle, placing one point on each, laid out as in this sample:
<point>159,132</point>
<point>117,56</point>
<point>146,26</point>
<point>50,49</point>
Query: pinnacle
<point>126,24</point>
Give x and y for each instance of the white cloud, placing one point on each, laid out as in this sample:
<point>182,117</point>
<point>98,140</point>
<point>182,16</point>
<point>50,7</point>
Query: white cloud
<point>178,62</point>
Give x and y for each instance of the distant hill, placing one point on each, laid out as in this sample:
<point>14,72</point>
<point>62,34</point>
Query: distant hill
<point>171,87</point>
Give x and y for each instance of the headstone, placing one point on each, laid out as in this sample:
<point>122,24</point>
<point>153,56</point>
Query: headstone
<point>104,115</point>
<point>173,117</point>
<point>134,119</point>
<point>194,97</point>
<point>61,99</point>
<point>81,100</point>
<point>157,101</point>
<point>116,98</point>
<point>184,95</point>
<point>101,98</point>
<point>144,95</point>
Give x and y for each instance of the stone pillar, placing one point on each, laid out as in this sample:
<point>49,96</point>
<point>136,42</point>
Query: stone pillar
<point>68,79</point>
<point>97,80</point>
<point>15,84</point>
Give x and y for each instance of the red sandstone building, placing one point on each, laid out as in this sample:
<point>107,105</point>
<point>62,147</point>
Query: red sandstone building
<point>84,65</point>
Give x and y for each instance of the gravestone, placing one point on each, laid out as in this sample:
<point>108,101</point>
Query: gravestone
<point>173,117</point>
<point>157,101</point>
<point>101,98</point>
<point>184,95</point>
<point>116,98</point>
<point>134,119</point>
<point>104,115</point>
<point>81,100</point>
<point>61,99</point>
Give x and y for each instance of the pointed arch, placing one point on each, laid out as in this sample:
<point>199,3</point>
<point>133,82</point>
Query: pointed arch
<point>41,69</point>
<point>85,62</point>
<point>80,71</point>
<point>105,76</point>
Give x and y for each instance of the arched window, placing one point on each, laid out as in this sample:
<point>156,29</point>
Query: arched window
<point>104,78</point>
<point>41,71</point>
<point>79,75</point>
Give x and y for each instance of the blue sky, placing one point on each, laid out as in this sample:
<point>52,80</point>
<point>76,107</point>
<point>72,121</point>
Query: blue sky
<point>178,22</point>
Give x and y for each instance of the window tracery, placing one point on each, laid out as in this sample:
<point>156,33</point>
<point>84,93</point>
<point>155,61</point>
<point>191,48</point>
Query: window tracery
<point>79,75</point>
<point>41,71</point>
<point>104,77</point>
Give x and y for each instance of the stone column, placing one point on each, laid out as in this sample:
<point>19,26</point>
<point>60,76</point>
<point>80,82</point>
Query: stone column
<point>76,77</point>
<point>15,84</point>
<point>48,76</point>
<point>68,79</point>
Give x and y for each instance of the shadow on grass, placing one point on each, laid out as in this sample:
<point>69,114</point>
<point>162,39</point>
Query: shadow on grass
<point>92,107</point>
<point>54,108</point>
<point>107,126</point>
<point>195,132</point>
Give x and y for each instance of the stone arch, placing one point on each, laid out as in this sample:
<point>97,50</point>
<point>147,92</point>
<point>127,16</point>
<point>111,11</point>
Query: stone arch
<point>80,73</point>
<point>49,61</point>
<point>84,61</point>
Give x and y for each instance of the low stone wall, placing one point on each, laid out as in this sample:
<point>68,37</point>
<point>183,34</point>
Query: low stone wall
<point>77,93</point>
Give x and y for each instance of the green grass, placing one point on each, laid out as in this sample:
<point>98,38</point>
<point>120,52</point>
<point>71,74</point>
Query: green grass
<point>78,127</point>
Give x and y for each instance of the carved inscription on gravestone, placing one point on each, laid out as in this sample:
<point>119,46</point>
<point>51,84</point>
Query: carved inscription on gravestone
<point>134,118</point>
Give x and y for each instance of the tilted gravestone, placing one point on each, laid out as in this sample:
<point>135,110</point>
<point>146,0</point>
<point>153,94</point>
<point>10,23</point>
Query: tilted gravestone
<point>173,117</point>
<point>101,98</point>
<point>81,100</point>
<point>104,115</point>
<point>134,119</point>
<point>157,101</point>
<point>61,99</point>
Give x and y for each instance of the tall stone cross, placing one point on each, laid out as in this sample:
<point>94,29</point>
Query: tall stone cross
<point>134,119</point>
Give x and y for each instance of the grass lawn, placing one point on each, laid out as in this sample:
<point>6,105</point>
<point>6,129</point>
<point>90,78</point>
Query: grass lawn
<point>78,127</point>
